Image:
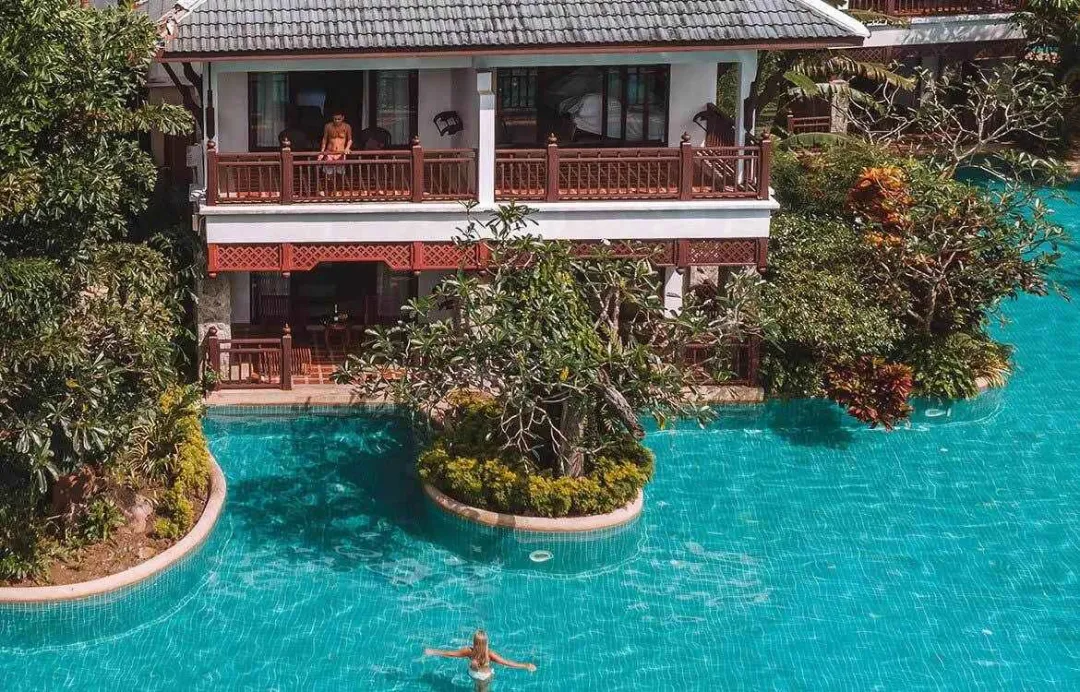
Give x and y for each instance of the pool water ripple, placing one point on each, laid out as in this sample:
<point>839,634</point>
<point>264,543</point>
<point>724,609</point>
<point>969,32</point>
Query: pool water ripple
<point>782,547</point>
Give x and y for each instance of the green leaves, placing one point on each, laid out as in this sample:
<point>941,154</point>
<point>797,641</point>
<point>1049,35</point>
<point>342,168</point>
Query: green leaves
<point>570,347</point>
<point>72,103</point>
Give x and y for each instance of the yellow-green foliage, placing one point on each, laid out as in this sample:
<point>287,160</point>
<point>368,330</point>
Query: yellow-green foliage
<point>612,480</point>
<point>188,468</point>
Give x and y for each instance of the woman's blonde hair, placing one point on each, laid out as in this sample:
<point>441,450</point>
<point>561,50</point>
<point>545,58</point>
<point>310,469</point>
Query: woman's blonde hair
<point>480,655</point>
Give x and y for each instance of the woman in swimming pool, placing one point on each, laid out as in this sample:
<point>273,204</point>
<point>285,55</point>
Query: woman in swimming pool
<point>480,659</point>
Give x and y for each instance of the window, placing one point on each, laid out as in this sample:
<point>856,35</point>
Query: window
<point>298,105</point>
<point>268,96</point>
<point>393,104</point>
<point>608,105</point>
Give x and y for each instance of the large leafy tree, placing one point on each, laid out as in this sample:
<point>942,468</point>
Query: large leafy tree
<point>87,324</point>
<point>885,256</point>
<point>572,348</point>
<point>72,104</point>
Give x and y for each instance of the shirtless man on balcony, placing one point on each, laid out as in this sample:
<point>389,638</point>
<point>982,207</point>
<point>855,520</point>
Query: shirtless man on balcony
<point>337,140</point>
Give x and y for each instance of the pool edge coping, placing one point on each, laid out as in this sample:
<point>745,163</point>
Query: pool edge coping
<point>516,522</point>
<point>215,502</point>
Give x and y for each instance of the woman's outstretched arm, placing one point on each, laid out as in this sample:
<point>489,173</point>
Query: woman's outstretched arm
<point>463,652</point>
<point>511,664</point>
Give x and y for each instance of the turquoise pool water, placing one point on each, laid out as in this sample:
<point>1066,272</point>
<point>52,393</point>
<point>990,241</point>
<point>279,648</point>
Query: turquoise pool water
<point>784,547</point>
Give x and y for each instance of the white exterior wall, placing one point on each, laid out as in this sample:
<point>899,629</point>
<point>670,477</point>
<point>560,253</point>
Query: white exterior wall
<point>231,106</point>
<point>435,93</point>
<point>934,30</point>
<point>402,222</point>
<point>692,86</point>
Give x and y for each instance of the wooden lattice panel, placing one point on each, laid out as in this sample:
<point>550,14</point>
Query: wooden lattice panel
<point>722,253</point>
<point>659,252</point>
<point>248,257</point>
<point>447,256</point>
<point>306,256</point>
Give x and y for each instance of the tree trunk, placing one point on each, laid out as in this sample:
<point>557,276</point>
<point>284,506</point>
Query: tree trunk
<point>569,454</point>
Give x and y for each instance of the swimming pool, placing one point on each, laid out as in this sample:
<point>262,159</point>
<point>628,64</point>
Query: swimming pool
<point>783,547</point>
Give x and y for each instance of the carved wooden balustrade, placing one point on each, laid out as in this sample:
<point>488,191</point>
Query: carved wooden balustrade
<point>551,174</point>
<point>642,173</point>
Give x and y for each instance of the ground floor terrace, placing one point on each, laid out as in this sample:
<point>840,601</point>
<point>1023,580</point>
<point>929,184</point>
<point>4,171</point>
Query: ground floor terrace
<point>283,315</point>
<point>783,546</point>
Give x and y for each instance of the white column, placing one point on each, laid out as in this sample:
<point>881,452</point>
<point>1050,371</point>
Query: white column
<point>673,289</point>
<point>748,64</point>
<point>485,156</point>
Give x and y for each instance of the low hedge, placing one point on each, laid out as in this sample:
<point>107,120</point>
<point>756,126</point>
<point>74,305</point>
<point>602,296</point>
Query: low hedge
<point>463,463</point>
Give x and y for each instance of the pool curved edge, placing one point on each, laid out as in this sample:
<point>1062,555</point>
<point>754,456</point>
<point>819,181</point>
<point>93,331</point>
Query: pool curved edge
<point>140,572</point>
<point>515,522</point>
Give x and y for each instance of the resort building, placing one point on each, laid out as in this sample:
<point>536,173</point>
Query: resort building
<point>338,142</point>
<point>928,38</point>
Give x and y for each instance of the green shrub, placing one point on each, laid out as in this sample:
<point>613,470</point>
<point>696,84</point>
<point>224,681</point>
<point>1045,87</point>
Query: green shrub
<point>947,367</point>
<point>22,532</point>
<point>612,479</point>
<point>101,519</point>
<point>187,467</point>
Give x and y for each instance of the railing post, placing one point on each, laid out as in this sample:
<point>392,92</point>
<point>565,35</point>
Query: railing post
<point>286,172</point>
<point>753,361</point>
<point>764,166</point>
<point>417,170</point>
<point>213,353</point>
<point>686,168</point>
<point>790,124</point>
<point>552,184</point>
<point>286,357</point>
<point>211,172</point>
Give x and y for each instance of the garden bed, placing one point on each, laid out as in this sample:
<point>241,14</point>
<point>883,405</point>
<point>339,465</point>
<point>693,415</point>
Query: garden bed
<point>116,564</point>
<point>596,522</point>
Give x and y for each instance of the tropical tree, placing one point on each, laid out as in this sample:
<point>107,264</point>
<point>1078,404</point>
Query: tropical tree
<point>572,349</point>
<point>970,120</point>
<point>784,77</point>
<point>72,104</point>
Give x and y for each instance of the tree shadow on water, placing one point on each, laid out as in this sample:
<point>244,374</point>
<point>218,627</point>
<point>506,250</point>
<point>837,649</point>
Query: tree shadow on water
<point>344,497</point>
<point>809,423</point>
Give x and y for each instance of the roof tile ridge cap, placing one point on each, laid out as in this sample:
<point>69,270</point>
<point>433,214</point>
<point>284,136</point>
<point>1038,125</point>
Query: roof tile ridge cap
<point>837,16</point>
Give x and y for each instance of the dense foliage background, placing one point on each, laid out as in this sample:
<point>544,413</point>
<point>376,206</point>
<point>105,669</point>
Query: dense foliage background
<point>882,260</point>
<point>90,406</point>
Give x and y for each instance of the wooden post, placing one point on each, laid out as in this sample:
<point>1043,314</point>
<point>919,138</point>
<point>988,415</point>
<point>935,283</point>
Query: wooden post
<point>753,361</point>
<point>686,168</point>
<point>552,184</point>
<point>286,172</point>
<point>286,358</point>
<point>417,170</point>
<point>211,172</point>
<point>213,353</point>
<point>764,166</point>
<point>790,124</point>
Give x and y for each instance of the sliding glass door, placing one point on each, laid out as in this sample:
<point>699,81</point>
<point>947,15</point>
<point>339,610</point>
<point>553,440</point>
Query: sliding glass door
<point>614,105</point>
<point>297,105</point>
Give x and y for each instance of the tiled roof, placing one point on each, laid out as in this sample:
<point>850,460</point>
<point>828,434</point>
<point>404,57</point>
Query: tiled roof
<point>240,26</point>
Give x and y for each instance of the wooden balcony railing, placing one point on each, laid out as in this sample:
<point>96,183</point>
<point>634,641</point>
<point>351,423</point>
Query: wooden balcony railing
<point>805,124</point>
<point>558,174</point>
<point>250,363</point>
<point>925,8</point>
<point>740,368</point>
<point>286,177</point>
